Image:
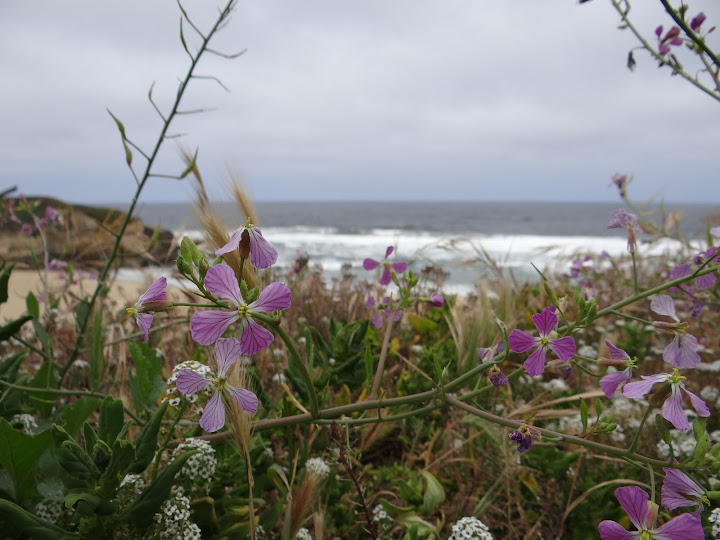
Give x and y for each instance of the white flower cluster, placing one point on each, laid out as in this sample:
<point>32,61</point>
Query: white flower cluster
<point>173,520</point>
<point>683,442</point>
<point>714,518</point>
<point>25,421</point>
<point>317,466</point>
<point>470,528</point>
<point>49,510</point>
<point>379,514</point>
<point>711,394</point>
<point>555,385</point>
<point>174,396</point>
<point>201,464</point>
<point>134,482</point>
<point>259,532</point>
<point>303,534</point>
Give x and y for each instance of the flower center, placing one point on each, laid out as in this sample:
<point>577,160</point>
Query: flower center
<point>646,535</point>
<point>676,378</point>
<point>244,311</point>
<point>544,341</point>
<point>131,311</point>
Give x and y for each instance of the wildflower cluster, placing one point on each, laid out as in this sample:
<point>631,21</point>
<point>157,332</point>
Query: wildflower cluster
<point>470,528</point>
<point>173,520</point>
<point>200,465</point>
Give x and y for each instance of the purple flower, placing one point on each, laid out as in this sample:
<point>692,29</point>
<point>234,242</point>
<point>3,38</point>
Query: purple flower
<point>696,21</point>
<point>671,38</point>
<point>436,299</point>
<point>621,181</point>
<point>545,323</point>
<point>715,231</point>
<point>620,219</point>
<point>672,409</point>
<point>682,351</point>
<point>497,377</point>
<point>388,267</point>
<point>524,437</point>
<point>377,320</point>
<point>643,514</point>
<point>150,300</point>
<point>680,490</point>
<point>56,265</point>
<point>189,381</point>
<point>207,326</point>
<point>249,238</point>
<point>609,383</point>
<point>27,229</point>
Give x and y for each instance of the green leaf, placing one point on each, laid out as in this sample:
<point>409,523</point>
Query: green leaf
<point>434,494</point>
<point>598,407</point>
<point>112,415</point>
<point>154,239</point>
<point>13,327</point>
<point>148,384</point>
<point>584,414</point>
<point>422,324</point>
<point>412,520</point>
<point>32,305</point>
<point>149,501</point>
<point>43,337</point>
<point>19,454</point>
<point>90,437</point>
<point>123,454</point>
<point>4,280</point>
<point>74,415</point>
<point>44,378</point>
<point>193,163</point>
<point>662,426</point>
<point>30,524</point>
<point>146,443</point>
<point>83,312</point>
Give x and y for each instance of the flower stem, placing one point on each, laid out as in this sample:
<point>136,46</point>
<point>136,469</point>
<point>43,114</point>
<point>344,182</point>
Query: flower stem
<point>166,441</point>
<point>639,430</point>
<point>383,356</point>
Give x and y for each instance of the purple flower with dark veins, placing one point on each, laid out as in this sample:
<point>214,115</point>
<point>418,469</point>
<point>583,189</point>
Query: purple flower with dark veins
<point>671,38</point>
<point>377,320</point>
<point>497,377</point>
<point>620,219</point>
<point>250,240</point>
<point>189,381</point>
<point>150,301</point>
<point>388,267</point>
<point>680,490</point>
<point>437,300</point>
<point>643,514</point>
<point>524,436</point>
<point>207,326</point>
<point>545,323</point>
<point>609,383</point>
<point>682,351</point>
<point>672,408</point>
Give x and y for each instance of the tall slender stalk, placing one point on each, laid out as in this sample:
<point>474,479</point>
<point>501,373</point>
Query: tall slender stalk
<point>87,307</point>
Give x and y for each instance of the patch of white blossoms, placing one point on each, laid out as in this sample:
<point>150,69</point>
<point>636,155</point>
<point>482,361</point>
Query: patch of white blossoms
<point>303,534</point>
<point>49,510</point>
<point>202,463</point>
<point>174,397</point>
<point>26,422</point>
<point>714,518</point>
<point>470,528</point>
<point>173,520</point>
<point>317,466</point>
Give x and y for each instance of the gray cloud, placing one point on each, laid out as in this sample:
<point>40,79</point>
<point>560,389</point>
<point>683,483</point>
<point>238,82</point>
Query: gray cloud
<point>374,100</point>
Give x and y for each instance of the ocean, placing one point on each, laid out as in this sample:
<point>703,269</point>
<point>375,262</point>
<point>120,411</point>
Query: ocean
<point>446,234</point>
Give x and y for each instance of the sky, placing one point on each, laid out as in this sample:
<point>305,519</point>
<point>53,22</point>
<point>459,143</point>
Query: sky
<point>355,100</point>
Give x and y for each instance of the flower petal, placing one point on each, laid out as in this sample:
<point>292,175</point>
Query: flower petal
<point>190,381</point>
<point>262,254</point>
<point>399,267</point>
<point>155,293</point>
<point>610,382</point>
<point>370,264</point>
<point>698,404</point>
<point>254,337</point>
<point>386,277</point>
<point>672,410</point>
<point>221,281</point>
<point>245,398</point>
<point>535,364</point>
<point>638,389</point>
<point>679,490</point>
<point>227,351</point>
<point>233,244</point>
<point>546,321</point>
<point>521,341</point>
<point>274,297</point>
<point>213,416</point>
<point>389,251</point>
<point>616,353</point>
<point>682,527</point>
<point>563,347</point>
<point>663,304</point>
<point>681,352</point>
<point>370,302</point>
<point>376,320</point>
<point>207,326</point>
<point>609,530</point>
<point>635,502</point>
<point>705,282</point>
<point>715,231</point>
<point>144,321</point>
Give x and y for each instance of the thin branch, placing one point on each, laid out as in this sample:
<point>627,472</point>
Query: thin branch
<point>152,102</point>
<point>228,56</point>
<point>212,78</point>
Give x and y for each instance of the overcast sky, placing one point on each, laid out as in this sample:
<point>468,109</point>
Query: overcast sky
<point>368,100</point>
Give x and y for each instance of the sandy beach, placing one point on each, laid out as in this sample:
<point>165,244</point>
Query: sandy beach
<point>23,281</point>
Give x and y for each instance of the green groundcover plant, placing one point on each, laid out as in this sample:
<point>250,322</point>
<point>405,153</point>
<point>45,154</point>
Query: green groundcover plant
<point>277,404</point>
